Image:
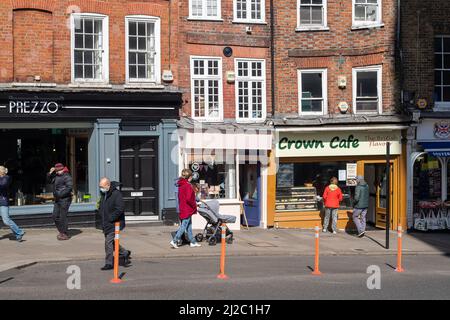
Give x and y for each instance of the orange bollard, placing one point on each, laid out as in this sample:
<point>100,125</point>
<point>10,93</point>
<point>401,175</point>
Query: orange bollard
<point>399,250</point>
<point>222,274</point>
<point>116,278</point>
<point>316,271</point>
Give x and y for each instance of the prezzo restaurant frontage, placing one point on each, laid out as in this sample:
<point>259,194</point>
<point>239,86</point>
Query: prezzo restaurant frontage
<point>305,159</point>
<point>123,135</point>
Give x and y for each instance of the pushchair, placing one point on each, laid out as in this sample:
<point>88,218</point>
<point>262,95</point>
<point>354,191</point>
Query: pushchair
<point>212,231</point>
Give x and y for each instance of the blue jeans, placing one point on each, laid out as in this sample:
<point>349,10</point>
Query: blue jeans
<point>8,222</point>
<point>359,218</point>
<point>186,226</point>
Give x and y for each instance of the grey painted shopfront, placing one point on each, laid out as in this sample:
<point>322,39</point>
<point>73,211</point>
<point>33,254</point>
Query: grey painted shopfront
<point>127,136</point>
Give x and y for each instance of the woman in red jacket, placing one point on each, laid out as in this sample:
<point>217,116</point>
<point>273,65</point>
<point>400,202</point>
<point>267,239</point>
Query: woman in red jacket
<point>332,196</point>
<point>187,207</point>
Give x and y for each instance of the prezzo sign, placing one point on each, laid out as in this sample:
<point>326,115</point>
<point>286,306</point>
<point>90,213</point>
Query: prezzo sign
<point>298,144</point>
<point>33,107</point>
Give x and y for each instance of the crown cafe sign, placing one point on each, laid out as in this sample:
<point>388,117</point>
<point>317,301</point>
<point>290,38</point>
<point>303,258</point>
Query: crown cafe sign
<point>338,143</point>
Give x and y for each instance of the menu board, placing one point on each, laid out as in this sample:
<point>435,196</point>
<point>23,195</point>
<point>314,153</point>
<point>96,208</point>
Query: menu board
<point>285,175</point>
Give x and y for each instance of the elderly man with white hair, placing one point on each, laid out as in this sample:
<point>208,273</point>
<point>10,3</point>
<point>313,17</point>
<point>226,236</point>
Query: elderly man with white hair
<point>5,182</point>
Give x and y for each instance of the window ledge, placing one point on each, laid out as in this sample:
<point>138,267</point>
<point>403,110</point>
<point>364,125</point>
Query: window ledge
<point>307,29</point>
<point>33,84</point>
<point>205,19</point>
<point>248,121</point>
<point>367,26</point>
<point>143,86</point>
<point>207,120</point>
<point>256,22</point>
<point>94,85</point>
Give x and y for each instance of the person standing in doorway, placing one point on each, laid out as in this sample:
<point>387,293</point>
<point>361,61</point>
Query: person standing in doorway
<point>5,182</point>
<point>61,180</point>
<point>187,207</point>
<point>332,197</point>
<point>361,205</point>
<point>112,210</point>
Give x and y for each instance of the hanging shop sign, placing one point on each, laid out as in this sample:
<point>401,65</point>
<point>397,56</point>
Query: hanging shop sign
<point>319,144</point>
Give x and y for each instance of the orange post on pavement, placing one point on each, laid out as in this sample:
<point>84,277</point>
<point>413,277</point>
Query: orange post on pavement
<point>316,271</point>
<point>222,274</point>
<point>116,278</point>
<point>399,250</point>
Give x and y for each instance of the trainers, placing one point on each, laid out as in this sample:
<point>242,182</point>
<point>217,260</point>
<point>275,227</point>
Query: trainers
<point>361,234</point>
<point>195,245</point>
<point>324,230</point>
<point>20,236</point>
<point>334,232</point>
<point>173,244</point>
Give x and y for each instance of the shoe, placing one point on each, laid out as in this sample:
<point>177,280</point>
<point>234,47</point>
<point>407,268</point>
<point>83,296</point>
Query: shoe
<point>173,244</point>
<point>324,230</point>
<point>128,255</point>
<point>334,232</point>
<point>20,236</point>
<point>62,237</point>
<point>361,234</point>
<point>107,267</point>
<point>195,244</point>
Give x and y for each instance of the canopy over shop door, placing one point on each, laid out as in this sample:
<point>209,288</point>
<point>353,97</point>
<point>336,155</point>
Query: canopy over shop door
<point>139,175</point>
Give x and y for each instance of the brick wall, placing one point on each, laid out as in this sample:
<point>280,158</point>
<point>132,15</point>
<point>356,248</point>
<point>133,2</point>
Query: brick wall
<point>43,25</point>
<point>208,38</point>
<point>339,50</point>
<point>421,21</point>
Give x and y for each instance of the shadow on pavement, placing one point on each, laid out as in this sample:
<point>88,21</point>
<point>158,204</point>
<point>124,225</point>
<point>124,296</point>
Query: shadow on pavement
<point>74,232</point>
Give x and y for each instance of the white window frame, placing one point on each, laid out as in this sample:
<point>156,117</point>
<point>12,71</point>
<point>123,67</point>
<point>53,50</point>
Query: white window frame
<point>379,70</point>
<point>324,73</point>
<point>206,77</point>
<point>444,105</point>
<point>249,13</point>
<point>250,79</point>
<point>105,57</point>
<point>323,26</point>
<point>368,24</point>
<point>157,22</point>
<point>204,15</point>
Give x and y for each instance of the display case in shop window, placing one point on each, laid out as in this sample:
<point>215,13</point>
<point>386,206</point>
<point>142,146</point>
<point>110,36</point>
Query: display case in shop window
<point>296,199</point>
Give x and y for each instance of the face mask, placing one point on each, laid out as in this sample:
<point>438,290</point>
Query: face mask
<point>103,190</point>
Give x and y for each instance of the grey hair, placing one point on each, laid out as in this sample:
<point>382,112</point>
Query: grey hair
<point>3,170</point>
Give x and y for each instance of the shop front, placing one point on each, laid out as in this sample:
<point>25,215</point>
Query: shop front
<point>229,165</point>
<point>429,166</point>
<point>125,136</point>
<point>306,159</point>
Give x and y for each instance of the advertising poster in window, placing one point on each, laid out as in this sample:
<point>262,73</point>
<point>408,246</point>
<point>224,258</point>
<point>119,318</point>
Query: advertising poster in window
<point>351,174</point>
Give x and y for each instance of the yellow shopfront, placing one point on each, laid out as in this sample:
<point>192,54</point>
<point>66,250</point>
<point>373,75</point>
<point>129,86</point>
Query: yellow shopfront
<point>303,163</point>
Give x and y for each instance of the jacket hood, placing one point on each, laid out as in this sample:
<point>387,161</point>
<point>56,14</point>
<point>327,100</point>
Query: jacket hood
<point>115,185</point>
<point>333,187</point>
<point>182,182</point>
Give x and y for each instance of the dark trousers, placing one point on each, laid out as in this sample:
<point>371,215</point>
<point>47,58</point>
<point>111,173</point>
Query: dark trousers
<point>109,249</point>
<point>60,210</point>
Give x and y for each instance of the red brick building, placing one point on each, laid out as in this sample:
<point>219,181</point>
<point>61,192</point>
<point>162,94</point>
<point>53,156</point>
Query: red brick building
<point>81,82</point>
<point>335,70</point>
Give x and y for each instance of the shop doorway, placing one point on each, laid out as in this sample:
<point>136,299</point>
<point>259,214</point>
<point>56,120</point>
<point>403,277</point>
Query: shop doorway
<point>250,190</point>
<point>376,178</point>
<point>139,175</point>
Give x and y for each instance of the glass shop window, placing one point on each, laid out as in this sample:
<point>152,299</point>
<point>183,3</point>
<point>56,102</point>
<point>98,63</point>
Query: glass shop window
<point>300,186</point>
<point>29,155</point>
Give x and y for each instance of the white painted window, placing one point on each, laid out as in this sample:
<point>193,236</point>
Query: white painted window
<point>367,90</point>
<point>313,98</point>
<point>142,49</point>
<point>311,13</point>
<point>249,11</point>
<point>205,9</point>
<point>206,88</point>
<point>89,42</point>
<point>250,89</point>
<point>366,13</point>
<point>442,71</point>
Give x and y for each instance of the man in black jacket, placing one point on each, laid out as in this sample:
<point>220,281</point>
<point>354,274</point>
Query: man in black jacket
<point>112,210</point>
<point>61,181</point>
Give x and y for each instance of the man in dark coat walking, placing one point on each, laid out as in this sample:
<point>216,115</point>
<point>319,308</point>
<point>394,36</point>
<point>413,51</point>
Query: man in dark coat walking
<point>59,177</point>
<point>112,210</point>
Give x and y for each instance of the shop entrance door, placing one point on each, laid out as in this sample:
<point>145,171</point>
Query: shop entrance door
<point>250,189</point>
<point>139,175</point>
<point>375,175</point>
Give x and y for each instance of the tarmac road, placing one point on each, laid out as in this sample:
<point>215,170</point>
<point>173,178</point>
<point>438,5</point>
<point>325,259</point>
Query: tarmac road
<point>259,278</point>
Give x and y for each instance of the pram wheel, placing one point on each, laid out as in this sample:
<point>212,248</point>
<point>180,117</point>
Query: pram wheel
<point>212,241</point>
<point>199,237</point>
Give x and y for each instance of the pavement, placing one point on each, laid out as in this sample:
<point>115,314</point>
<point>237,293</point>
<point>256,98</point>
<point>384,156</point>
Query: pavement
<point>41,246</point>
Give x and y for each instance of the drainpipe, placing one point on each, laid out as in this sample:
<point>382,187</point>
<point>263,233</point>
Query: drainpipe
<point>272,55</point>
